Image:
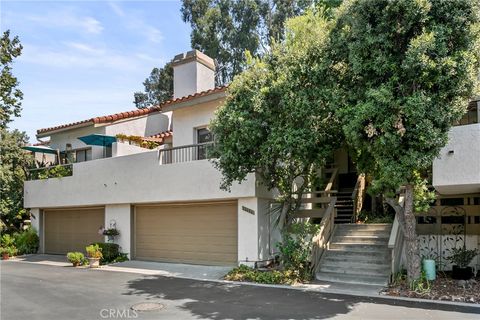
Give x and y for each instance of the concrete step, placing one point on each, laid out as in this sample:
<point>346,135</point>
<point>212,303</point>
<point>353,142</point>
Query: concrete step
<point>353,279</point>
<point>346,232</point>
<point>354,270</point>
<point>359,247</point>
<point>374,264</point>
<point>360,239</point>
<point>370,227</point>
<point>366,260</point>
<point>377,254</point>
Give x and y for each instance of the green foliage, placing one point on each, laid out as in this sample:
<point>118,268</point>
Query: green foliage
<point>406,70</point>
<point>58,171</point>
<point>244,273</point>
<point>94,251</point>
<point>422,196</point>
<point>27,241</point>
<point>296,248</point>
<point>76,258</point>
<point>373,217</point>
<point>10,96</point>
<point>421,285</point>
<point>462,256</point>
<point>278,120</point>
<point>7,245</point>
<point>110,253</point>
<point>14,162</point>
<point>158,88</point>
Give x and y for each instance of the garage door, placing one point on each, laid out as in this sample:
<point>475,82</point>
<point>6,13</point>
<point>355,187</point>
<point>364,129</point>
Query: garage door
<point>199,233</point>
<point>72,229</point>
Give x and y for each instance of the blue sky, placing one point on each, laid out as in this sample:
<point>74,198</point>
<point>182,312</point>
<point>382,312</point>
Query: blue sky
<point>86,58</point>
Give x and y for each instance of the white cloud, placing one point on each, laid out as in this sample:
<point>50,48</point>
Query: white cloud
<point>116,8</point>
<point>66,19</point>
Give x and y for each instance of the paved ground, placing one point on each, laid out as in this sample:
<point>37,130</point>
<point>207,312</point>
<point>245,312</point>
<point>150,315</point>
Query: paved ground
<point>37,291</point>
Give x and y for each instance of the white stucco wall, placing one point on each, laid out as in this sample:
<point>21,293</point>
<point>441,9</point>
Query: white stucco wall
<point>247,231</point>
<point>36,222</point>
<point>59,140</point>
<point>186,120</point>
<point>147,125</point>
<point>459,173</point>
<point>137,178</point>
<point>120,215</point>
<point>125,149</point>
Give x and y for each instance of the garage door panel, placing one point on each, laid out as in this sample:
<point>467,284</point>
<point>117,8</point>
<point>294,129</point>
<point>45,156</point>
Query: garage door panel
<point>201,233</point>
<point>72,229</point>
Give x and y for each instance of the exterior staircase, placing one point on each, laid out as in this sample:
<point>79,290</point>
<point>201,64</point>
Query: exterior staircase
<point>344,206</point>
<point>357,254</point>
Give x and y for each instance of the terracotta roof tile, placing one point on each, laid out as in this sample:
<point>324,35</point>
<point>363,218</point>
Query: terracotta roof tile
<point>159,137</point>
<point>134,113</point>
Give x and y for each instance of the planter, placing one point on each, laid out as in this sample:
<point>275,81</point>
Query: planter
<point>462,273</point>
<point>429,268</point>
<point>5,256</point>
<point>75,264</point>
<point>94,262</point>
<point>111,238</point>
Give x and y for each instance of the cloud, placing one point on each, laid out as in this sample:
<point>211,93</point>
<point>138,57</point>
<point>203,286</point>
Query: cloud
<point>116,8</point>
<point>66,19</point>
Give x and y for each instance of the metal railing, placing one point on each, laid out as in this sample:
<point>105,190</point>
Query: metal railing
<point>57,171</point>
<point>186,153</point>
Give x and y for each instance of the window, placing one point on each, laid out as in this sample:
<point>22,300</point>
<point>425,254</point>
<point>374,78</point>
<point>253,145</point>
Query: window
<point>452,202</point>
<point>203,136</point>
<point>83,155</point>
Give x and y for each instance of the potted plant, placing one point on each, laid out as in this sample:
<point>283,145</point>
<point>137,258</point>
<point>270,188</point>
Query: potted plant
<point>5,253</point>
<point>461,258</point>
<point>111,233</point>
<point>76,258</point>
<point>94,254</point>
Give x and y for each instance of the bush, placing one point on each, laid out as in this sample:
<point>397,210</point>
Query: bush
<point>27,241</point>
<point>244,273</point>
<point>462,256</point>
<point>7,245</point>
<point>76,258</point>
<point>296,249</point>
<point>111,253</point>
<point>94,251</point>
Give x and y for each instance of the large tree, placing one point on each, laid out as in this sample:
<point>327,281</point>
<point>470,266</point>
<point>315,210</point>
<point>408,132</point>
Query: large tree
<point>407,69</point>
<point>10,96</point>
<point>278,121</point>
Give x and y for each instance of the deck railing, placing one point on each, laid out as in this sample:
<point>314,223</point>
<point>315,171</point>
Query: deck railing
<point>186,153</point>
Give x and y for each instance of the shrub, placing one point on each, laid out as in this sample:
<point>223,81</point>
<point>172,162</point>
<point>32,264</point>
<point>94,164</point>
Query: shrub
<point>111,253</point>
<point>94,251</point>
<point>7,243</point>
<point>244,273</point>
<point>76,258</point>
<point>27,241</point>
<point>295,250</point>
<point>462,257</point>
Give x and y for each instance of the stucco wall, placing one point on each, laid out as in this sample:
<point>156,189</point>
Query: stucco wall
<point>148,125</point>
<point>120,215</point>
<point>125,149</point>
<point>186,120</point>
<point>60,139</point>
<point>247,231</point>
<point>459,172</point>
<point>135,178</point>
<point>190,78</point>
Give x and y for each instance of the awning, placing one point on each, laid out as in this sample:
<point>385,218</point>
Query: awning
<point>42,149</point>
<point>98,140</point>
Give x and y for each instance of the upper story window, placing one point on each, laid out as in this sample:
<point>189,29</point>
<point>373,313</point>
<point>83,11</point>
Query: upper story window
<point>204,136</point>
<point>471,116</point>
<point>76,155</point>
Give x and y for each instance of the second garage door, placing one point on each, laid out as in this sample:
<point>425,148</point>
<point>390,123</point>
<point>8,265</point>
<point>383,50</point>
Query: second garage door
<point>193,233</point>
<point>72,229</point>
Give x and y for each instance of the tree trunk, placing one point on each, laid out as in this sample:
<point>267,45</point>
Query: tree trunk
<point>412,250</point>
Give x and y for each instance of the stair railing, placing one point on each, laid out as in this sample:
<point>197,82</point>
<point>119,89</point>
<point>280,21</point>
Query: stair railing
<point>395,243</point>
<point>321,239</point>
<point>357,197</point>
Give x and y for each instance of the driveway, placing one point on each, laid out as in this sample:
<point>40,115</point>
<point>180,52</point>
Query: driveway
<point>37,291</point>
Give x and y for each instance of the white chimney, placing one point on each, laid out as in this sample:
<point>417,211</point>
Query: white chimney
<point>193,72</point>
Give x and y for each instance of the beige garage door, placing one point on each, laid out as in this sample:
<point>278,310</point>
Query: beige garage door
<point>194,233</point>
<point>72,229</point>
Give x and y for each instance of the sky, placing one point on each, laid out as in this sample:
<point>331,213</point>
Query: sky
<point>83,59</point>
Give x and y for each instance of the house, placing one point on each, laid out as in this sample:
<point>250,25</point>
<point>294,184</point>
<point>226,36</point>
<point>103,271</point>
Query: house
<point>168,206</point>
<point>166,203</point>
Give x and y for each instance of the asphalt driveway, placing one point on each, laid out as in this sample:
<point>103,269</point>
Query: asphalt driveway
<point>34,291</point>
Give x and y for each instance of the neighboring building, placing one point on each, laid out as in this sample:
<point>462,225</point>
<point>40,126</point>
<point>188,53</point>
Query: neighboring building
<point>167,203</point>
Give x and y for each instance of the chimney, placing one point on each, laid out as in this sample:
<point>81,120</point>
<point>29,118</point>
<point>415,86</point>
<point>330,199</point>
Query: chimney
<point>193,72</point>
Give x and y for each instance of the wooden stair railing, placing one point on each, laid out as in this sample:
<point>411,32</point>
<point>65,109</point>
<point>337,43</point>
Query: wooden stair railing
<point>321,239</point>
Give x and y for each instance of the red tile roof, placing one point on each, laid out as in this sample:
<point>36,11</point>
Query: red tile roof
<point>159,137</point>
<point>134,113</point>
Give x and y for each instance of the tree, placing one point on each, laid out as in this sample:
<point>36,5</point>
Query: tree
<point>158,87</point>
<point>278,120</point>
<point>10,95</point>
<point>13,172</point>
<point>406,70</point>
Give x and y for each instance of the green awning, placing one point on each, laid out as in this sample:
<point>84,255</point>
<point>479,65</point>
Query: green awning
<point>41,149</point>
<point>98,140</point>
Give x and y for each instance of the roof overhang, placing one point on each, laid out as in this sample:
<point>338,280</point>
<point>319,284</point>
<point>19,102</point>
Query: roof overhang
<point>196,101</point>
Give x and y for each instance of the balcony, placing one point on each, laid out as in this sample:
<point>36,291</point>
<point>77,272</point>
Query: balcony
<point>167,175</point>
